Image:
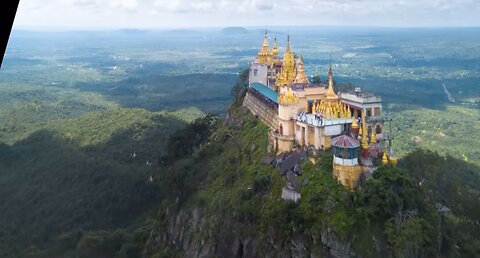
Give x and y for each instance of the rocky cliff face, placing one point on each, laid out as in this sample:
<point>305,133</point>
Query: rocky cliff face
<point>190,234</point>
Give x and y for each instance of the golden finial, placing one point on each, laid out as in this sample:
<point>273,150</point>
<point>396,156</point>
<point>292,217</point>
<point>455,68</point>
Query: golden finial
<point>385,158</point>
<point>364,143</point>
<point>365,132</point>
<point>330,92</point>
<point>265,40</point>
<point>288,72</point>
<point>301,76</point>
<point>373,139</point>
<point>275,47</point>
<point>354,123</point>
<point>391,157</point>
<point>288,42</point>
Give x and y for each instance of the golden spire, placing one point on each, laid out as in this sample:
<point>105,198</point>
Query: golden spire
<point>330,93</point>
<point>288,71</point>
<point>393,161</point>
<point>391,157</point>
<point>373,139</point>
<point>385,158</point>
<point>365,132</point>
<point>265,41</point>
<point>301,76</point>
<point>264,54</point>
<point>354,122</point>
<point>275,47</point>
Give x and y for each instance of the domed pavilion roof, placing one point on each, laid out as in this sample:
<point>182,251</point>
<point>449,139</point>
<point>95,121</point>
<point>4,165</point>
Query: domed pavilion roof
<point>345,141</point>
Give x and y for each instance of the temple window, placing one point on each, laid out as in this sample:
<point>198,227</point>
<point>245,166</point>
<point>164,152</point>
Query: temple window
<point>255,71</point>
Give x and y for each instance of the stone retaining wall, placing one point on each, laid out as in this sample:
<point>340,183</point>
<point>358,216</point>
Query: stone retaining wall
<point>262,107</point>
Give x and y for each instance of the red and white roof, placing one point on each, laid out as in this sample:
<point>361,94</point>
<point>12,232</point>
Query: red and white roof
<point>345,141</point>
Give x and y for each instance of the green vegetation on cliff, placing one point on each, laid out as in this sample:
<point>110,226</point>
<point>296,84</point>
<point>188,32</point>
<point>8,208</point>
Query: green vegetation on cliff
<point>399,212</point>
<point>414,210</point>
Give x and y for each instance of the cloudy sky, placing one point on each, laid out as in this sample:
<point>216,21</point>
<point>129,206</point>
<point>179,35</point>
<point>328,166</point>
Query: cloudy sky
<point>220,13</point>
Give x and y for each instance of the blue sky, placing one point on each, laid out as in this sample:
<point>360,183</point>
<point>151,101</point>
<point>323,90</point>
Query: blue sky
<point>101,14</point>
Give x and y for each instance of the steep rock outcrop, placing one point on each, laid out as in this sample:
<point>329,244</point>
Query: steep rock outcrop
<point>191,234</point>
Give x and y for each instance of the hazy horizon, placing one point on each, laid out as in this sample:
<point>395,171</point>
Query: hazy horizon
<point>216,28</point>
<point>175,14</point>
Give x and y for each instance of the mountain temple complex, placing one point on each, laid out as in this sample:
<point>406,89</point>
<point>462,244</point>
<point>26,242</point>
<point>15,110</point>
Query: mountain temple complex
<point>303,114</point>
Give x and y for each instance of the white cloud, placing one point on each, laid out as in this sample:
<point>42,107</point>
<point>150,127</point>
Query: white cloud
<point>171,5</point>
<point>207,6</point>
<point>191,13</point>
<point>265,6</point>
<point>82,3</point>
<point>124,4</point>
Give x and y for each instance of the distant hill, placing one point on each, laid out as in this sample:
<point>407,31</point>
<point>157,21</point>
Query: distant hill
<point>234,30</point>
<point>182,32</point>
<point>133,31</point>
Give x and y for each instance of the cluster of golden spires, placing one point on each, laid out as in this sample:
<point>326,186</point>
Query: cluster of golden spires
<point>265,56</point>
<point>287,97</point>
<point>331,109</point>
<point>363,132</point>
<point>288,71</point>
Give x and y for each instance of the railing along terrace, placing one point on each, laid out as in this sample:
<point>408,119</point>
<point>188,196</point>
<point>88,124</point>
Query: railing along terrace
<point>318,120</point>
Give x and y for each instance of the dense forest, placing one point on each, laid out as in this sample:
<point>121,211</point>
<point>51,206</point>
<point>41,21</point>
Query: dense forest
<point>154,184</point>
<point>73,177</point>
